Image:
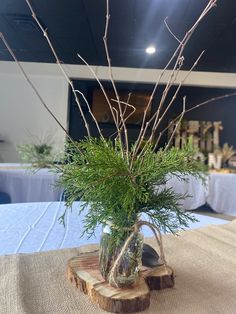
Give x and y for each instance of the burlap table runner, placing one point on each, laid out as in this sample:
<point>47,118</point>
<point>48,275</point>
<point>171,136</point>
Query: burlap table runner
<point>204,261</point>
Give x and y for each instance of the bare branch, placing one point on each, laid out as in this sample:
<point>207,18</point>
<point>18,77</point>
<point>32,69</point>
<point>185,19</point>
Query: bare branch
<point>94,119</point>
<point>211,100</point>
<point>112,79</point>
<point>177,124</point>
<point>33,86</point>
<point>128,116</point>
<point>102,88</point>
<point>178,51</point>
<point>58,62</point>
<point>170,31</point>
<point>176,93</point>
<point>121,125</point>
<point>127,104</point>
<point>157,122</point>
<point>166,91</point>
<point>117,115</point>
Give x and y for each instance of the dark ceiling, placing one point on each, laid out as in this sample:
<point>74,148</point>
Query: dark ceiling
<point>78,26</point>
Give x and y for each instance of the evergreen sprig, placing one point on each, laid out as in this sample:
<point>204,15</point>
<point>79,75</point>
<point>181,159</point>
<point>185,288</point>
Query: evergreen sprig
<point>113,190</point>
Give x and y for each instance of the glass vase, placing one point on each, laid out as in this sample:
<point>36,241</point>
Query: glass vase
<point>127,272</point>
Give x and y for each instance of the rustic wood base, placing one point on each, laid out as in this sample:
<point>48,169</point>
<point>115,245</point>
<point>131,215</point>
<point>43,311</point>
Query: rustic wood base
<point>83,271</point>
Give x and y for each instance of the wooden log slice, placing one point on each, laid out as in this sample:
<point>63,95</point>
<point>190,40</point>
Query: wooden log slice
<point>160,277</point>
<point>83,271</point>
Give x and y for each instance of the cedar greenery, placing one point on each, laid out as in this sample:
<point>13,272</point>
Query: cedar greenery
<point>113,191</point>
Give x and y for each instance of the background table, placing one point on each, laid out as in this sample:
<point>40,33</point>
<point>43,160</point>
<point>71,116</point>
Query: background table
<point>24,186</point>
<point>195,190</point>
<point>219,191</point>
<point>34,227</point>
<point>221,195</point>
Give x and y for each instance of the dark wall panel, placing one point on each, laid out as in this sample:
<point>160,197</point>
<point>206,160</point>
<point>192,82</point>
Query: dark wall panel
<point>223,110</point>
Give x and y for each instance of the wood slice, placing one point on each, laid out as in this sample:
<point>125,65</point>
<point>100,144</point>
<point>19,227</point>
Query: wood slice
<point>160,277</point>
<point>83,271</point>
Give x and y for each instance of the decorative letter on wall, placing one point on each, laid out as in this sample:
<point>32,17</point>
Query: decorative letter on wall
<point>214,161</point>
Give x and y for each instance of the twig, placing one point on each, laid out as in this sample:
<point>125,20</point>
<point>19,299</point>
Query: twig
<point>179,62</point>
<point>94,119</point>
<point>102,88</point>
<point>178,51</point>
<point>157,122</point>
<point>167,26</point>
<point>176,93</point>
<point>165,93</point>
<point>126,105</point>
<point>117,115</point>
<point>128,116</point>
<point>177,124</point>
<point>33,86</point>
<point>58,62</point>
<point>112,79</point>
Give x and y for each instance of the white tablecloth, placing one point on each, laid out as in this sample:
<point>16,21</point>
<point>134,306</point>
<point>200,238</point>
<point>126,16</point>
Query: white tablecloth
<point>222,193</point>
<point>34,227</point>
<point>219,190</point>
<point>24,186</point>
<point>195,190</point>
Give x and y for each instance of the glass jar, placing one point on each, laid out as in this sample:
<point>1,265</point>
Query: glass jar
<point>127,272</point>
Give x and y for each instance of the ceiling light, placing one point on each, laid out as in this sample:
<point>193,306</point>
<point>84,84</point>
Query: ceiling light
<point>150,50</point>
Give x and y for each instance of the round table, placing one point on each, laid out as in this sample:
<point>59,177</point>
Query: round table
<point>23,185</point>
<point>35,227</point>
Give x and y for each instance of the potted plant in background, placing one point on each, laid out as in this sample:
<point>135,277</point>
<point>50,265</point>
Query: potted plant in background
<point>36,155</point>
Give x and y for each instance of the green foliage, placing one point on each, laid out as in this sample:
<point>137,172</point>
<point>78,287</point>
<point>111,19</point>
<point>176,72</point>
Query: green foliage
<point>118,190</point>
<point>38,156</point>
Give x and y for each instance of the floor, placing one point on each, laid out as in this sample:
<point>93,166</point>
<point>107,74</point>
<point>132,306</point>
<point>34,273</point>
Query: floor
<point>207,211</point>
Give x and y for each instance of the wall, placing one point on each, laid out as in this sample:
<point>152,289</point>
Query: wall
<point>22,117</point>
<point>21,114</point>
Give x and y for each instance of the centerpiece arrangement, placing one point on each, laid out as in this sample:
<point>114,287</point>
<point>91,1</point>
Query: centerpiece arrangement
<point>119,183</point>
